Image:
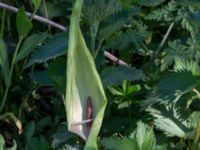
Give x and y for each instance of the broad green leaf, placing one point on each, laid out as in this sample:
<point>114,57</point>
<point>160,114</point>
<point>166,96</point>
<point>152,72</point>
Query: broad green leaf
<point>120,144</point>
<point>168,122</point>
<point>56,46</point>
<point>2,142</point>
<point>30,44</point>
<point>24,25</point>
<point>173,86</point>
<point>83,81</point>
<point>4,61</point>
<point>115,75</point>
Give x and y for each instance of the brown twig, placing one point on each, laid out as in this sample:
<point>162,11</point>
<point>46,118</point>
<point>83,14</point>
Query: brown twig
<point>35,17</point>
<point>60,27</point>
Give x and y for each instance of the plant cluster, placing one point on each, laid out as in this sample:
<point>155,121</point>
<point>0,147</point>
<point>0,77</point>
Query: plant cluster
<point>153,98</point>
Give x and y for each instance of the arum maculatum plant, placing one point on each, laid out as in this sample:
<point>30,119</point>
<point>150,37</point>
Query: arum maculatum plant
<point>85,97</point>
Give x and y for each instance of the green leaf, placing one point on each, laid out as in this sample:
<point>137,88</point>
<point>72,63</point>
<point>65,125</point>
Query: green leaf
<point>119,144</point>
<point>141,139</point>
<point>83,81</point>
<point>173,86</point>
<point>24,25</point>
<point>61,135</point>
<point>4,64</point>
<point>115,75</point>
<point>30,44</point>
<point>36,3</point>
<point>2,142</point>
<point>167,120</point>
<point>56,46</point>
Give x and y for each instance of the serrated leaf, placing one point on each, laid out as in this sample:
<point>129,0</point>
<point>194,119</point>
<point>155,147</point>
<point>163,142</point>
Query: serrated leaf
<point>56,46</point>
<point>167,121</point>
<point>175,85</point>
<point>30,44</point>
<point>115,75</point>
<point>116,21</point>
<point>4,64</point>
<point>84,88</point>
<point>119,144</point>
<point>24,25</point>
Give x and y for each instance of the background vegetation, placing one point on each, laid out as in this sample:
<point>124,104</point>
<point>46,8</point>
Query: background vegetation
<point>153,94</point>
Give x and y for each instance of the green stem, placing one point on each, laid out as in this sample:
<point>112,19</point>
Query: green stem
<point>93,29</point>
<point>98,48</point>
<point>3,23</point>
<point>10,76</point>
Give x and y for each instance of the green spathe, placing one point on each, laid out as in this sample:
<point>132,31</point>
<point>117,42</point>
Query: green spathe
<point>82,81</point>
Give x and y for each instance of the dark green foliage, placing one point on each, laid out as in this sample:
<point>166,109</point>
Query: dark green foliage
<point>115,75</point>
<point>158,39</point>
<point>56,46</point>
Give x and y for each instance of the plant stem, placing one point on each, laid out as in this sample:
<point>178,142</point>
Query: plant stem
<point>2,23</point>
<point>93,29</point>
<point>10,76</point>
<point>197,133</point>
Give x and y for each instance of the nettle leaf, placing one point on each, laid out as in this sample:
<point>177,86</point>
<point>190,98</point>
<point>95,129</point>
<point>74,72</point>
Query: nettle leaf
<point>115,75</point>
<point>24,25</point>
<point>30,44</point>
<point>142,138</point>
<point>4,64</point>
<point>116,21</point>
<point>96,11</point>
<point>176,84</point>
<point>119,144</point>
<point>85,97</point>
<point>168,121</point>
<point>56,46</point>
<point>164,13</point>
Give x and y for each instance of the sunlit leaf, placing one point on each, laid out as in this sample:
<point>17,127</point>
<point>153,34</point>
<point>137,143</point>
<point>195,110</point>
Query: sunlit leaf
<point>83,82</point>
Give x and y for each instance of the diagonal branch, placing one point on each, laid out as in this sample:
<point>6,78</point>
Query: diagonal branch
<point>60,27</point>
